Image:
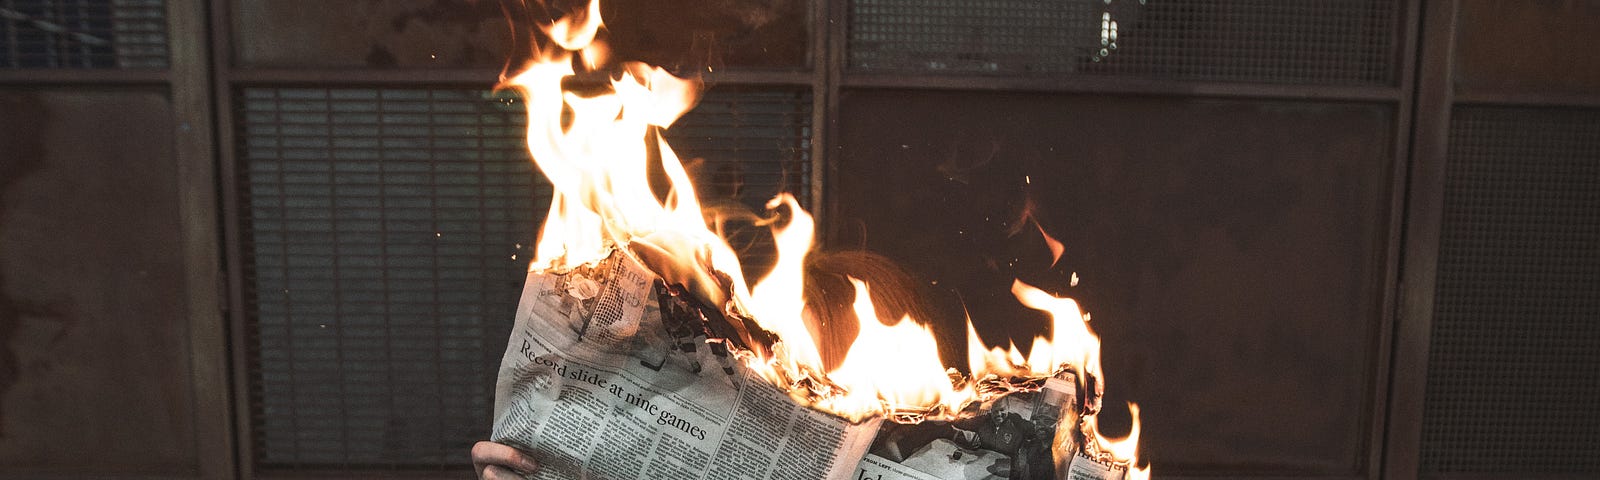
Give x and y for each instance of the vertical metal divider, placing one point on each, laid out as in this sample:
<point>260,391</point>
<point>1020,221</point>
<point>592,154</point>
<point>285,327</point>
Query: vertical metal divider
<point>828,41</point>
<point>222,88</point>
<point>1409,34</point>
<point>1420,249</point>
<point>820,60</point>
<point>194,148</point>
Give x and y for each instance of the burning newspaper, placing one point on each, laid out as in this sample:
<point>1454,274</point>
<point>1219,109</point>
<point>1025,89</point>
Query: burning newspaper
<point>610,374</point>
<point>1014,436</point>
<point>641,352</point>
<point>596,385</point>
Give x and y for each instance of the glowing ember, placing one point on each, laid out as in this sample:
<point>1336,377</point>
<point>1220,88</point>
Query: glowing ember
<point>597,150</point>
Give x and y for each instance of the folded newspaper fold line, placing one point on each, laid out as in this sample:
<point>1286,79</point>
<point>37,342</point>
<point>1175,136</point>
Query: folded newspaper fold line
<point>607,376</point>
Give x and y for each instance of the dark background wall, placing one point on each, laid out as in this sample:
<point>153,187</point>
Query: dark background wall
<point>1327,239</point>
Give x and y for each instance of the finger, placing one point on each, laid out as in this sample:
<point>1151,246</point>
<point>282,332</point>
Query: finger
<point>477,459</point>
<point>490,453</point>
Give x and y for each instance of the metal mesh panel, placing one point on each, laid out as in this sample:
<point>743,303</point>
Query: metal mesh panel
<point>1268,41</point>
<point>754,143</point>
<point>387,238</point>
<point>83,34</point>
<point>385,229</point>
<point>971,36</point>
<point>1514,370</point>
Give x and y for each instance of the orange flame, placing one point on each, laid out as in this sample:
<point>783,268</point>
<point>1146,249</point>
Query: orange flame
<point>597,150</point>
<point>893,369</point>
<point>1127,449</point>
<point>1056,248</point>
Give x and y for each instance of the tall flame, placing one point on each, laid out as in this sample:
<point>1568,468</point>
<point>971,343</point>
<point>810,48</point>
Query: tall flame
<point>598,148</point>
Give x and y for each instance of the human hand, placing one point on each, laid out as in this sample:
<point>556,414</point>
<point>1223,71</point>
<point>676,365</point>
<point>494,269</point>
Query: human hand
<point>495,461</point>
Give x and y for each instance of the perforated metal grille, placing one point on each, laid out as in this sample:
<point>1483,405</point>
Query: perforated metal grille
<point>83,34</point>
<point>1514,370</point>
<point>754,143</point>
<point>1268,41</point>
<point>971,36</point>
<point>387,235</point>
<point>386,229</point>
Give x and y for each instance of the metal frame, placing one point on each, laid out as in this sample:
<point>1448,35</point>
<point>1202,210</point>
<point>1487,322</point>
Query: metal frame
<point>829,66</point>
<point>1435,97</point>
<point>467,77</point>
<point>1424,211</point>
<point>1402,141</point>
<point>202,79</point>
<point>195,148</point>
<point>186,81</point>
<point>84,76</point>
<point>1126,86</point>
<point>1401,96</point>
<point>1464,96</point>
<point>820,61</point>
<point>221,57</point>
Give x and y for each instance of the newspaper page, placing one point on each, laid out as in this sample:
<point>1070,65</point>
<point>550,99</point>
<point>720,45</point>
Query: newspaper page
<point>1007,438</point>
<point>596,386</point>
